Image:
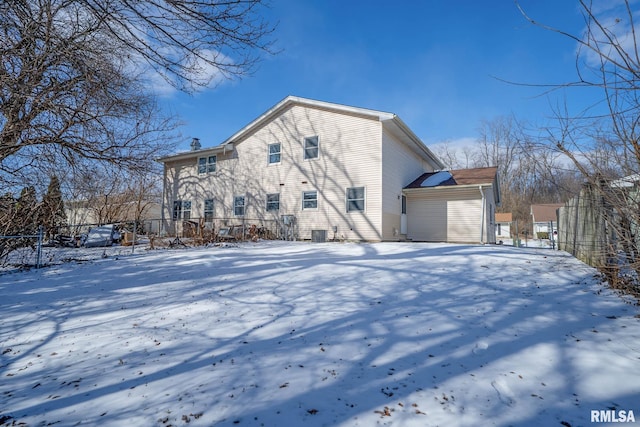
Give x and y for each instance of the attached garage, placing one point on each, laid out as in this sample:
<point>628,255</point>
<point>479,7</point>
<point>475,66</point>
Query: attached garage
<point>453,206</point>
<point>427,218</point>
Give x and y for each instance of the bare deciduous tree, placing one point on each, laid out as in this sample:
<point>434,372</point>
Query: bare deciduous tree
<point>75,74</point>
<point>188,42</point>
<point>602,140</point>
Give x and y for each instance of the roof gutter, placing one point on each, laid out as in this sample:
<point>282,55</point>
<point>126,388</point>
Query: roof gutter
<point>484,202</point>
<point>415,139</point>
<point>220,149</point>
<point>441,188</point>
<point>296,100</point>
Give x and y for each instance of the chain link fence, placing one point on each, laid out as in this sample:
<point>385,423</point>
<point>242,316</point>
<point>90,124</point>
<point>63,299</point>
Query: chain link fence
<point>26,249</point>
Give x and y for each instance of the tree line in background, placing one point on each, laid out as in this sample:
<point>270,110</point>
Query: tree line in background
<point>529,172</point>
<point>591,151</point>
<point>26,217</point>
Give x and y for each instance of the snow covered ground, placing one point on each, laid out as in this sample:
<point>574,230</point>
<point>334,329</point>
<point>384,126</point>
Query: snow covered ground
<point>292,334</point>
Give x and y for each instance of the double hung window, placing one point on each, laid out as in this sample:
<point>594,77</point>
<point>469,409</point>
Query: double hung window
<point>238,206</point>
<point>355,199</point>
<point>208,210</point>
<point>274,153</point>
<point>310,200</point>
<point>311,148</point>
<point>181,209</point>
<point>273,202</point>
<point>207,164</point>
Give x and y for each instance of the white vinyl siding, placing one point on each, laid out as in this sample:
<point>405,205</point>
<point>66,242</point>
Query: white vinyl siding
<point>400,167</point>
<point>350,156</point>
<point>450,215</point>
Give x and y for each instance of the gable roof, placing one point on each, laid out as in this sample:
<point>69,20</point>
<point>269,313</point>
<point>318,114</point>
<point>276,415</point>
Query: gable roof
<point>545,212</point>
<point>475,176</point>
<point>391,122</point>
<point>504,217</point>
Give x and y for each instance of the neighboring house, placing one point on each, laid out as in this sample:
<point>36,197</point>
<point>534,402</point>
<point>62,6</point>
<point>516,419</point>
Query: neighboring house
<point>453,206</point>
<point>332,170</point>
<point>544,217</point>
<point>503,225</point>
<point>84,214</point>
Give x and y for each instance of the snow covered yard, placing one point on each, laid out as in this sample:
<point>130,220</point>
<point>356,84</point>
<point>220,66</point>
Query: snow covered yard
<point>291,334</point>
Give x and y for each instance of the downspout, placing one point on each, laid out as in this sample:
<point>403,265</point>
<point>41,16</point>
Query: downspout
<point>161,229</point>
<point>482,215</point>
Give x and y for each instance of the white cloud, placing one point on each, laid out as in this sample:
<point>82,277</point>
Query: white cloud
<point>456,144</point>
<point>614,18</point>
<point>199,71</point>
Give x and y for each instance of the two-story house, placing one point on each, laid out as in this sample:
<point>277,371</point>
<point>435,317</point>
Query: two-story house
<point>332,170</point>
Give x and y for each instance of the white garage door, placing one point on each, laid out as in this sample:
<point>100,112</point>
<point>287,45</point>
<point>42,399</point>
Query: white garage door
<point>427,220</point>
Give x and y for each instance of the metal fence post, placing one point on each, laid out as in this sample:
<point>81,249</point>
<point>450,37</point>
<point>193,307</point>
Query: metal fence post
<point>133,243</point>
<point>39,252</point>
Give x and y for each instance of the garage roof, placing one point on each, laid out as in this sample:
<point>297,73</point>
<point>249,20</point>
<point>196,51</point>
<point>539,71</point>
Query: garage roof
<point>475,176</point>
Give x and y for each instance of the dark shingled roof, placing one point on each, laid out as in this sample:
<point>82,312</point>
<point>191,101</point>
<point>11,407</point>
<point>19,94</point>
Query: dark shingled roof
<point>461,177</point>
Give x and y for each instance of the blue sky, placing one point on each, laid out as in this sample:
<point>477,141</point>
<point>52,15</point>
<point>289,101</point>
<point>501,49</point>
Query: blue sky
<point>434,63</point>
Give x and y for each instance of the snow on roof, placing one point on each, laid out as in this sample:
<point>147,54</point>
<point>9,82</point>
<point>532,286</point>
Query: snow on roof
<point>475,176</point>
<point>436,179</point>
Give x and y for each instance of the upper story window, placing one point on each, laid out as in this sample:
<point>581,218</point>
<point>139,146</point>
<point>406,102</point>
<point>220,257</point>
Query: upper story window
<point>311,147</point>
<point>238,205</point>
<point>207,164</point>
<point>274,153</point>
<point>273,202</point>
<point>309,200</point>
<point>355,199</point>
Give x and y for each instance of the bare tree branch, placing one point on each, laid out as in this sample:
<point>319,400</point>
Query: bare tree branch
<point>74,78</point>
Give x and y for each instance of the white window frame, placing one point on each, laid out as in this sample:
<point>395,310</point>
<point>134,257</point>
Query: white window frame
<point>208,213</point>
<point>176,214</point>
<point>305,149</point>
<point>237,205</point>
<point>349,201</point>
<point>270,203</point>
<point>186,210</point>
<point>305,200</point>
<point>181,210</point>
<point>207,164</point>
<point>276,153</point>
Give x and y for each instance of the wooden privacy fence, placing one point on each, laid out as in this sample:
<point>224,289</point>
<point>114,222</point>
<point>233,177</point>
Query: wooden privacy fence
<point>601,227</point>
<point>583,224</point>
